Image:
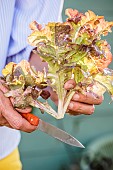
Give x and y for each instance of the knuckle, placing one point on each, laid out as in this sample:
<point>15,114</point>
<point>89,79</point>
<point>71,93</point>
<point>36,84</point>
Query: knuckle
<point>77,97</point>
<point>71,106</point>
<point>17,125</point>
<point>70,84</point>
<point>74,106</point>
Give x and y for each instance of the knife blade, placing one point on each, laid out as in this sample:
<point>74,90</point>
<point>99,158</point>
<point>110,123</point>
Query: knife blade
<point>58,134</point>
<point>52,130</point>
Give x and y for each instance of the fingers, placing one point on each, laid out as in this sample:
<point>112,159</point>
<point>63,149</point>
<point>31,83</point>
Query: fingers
<point>89,98</point>
<point>84,103</point>
<point>4,90</point>
<point>76,108</point>
<point>70,84</point>
<point>26,110</point>
<point>17,122</point>
<point>3,121</point>
<point>14,119</point>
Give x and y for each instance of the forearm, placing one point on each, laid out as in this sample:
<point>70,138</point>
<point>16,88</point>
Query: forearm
<point>36,61</point>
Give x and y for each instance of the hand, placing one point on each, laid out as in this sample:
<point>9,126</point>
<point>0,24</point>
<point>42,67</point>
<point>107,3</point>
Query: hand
<point>82,103</point>
<point>9,116</point>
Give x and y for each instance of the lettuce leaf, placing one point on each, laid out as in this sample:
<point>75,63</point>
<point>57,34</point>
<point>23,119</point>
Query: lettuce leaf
<point>73,49</point>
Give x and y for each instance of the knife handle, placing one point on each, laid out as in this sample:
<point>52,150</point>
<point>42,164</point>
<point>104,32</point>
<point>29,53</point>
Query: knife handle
<point>32,119</point>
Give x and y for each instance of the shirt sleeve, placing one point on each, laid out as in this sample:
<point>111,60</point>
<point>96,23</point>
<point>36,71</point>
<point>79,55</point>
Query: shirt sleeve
<point>22,55</point>
<point>25,12</point>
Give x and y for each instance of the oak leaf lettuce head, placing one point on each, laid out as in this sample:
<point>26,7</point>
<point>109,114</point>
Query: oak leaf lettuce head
<point>73,49</point>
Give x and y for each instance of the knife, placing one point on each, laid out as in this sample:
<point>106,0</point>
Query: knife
<point>51,130</point>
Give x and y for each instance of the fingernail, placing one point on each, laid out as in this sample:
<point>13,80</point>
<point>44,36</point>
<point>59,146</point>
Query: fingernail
<point>76,97</point>
<point>92,110</point>
<point>71,106</point>
<point>70,86</point>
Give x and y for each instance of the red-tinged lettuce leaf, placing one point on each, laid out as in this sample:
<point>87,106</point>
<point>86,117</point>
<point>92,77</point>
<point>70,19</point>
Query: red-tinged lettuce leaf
<point>25,85</point>
<point>74,49</point>
<point>23,75</point>
<point>105,79</point>
<point>21,98</point>
<point>89,23</point>
<point>73,38</point>
<point>96,88</point>
<point>54,34</point>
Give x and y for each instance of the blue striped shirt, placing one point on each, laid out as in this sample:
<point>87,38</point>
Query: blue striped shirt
<point>15,16</point>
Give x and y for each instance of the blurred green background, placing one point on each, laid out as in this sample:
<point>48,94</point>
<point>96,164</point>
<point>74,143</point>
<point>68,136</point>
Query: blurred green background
<point>41,152</point>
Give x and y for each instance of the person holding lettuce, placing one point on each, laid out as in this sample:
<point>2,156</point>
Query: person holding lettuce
<point>15,18</point>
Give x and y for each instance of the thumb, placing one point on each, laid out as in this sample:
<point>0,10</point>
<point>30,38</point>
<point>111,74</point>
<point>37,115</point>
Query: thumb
<point>70,84</point>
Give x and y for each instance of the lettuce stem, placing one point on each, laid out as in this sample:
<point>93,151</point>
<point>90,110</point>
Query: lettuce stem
<point>68,98</point>
<point>44,106</point>
<point>61,92</point>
